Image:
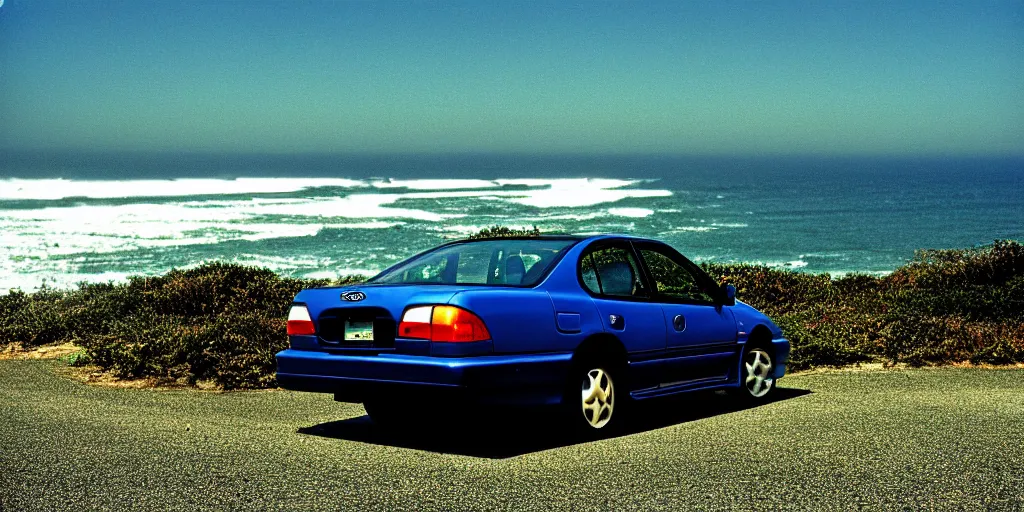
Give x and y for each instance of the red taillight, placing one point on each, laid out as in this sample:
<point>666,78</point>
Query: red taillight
<point>446,324</point>
<point>452,324</point>
<point>299,322</point>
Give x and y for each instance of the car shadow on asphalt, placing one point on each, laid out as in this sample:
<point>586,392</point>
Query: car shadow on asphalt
<point>535,430</point>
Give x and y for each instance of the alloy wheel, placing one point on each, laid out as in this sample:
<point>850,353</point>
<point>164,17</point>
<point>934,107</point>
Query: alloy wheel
<point>758,365</point>
<point>598,395</point>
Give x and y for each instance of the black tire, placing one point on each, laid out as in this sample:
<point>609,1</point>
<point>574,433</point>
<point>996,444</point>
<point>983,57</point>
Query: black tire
<point>610,402</point>
<point>757,367</point>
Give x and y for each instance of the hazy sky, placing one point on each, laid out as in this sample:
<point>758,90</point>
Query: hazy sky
<point>292,76</point>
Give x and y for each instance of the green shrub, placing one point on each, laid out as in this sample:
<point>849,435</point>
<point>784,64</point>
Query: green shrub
<point>771,290</point>
<point>822,342</point>
<point>942,307</point>
<point>33,319</point>
<point>982,283</point>
<point>504,232</point>
<point>217,322</point>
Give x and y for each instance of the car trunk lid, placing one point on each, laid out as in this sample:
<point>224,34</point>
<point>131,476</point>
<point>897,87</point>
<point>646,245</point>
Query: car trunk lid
<point>346,316</point>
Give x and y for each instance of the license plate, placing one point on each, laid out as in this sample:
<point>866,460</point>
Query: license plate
<point>358,331</point>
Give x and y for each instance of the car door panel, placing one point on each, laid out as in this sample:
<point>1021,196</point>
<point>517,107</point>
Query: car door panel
<point>705,347</point>
<point>701,337</point>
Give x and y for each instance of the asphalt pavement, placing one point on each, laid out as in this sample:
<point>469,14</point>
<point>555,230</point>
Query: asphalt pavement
<point>950,438</point>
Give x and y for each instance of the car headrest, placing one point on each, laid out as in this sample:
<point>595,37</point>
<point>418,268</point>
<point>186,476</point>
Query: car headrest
<point>616,278</point>
<point>514,269</point>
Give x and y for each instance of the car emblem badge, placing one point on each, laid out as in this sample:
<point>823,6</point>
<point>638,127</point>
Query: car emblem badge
<point>353,296</point>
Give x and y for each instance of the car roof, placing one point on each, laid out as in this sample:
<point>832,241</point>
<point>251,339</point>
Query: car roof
<point>603,236</point>
<point>522,237</point>
<point>620,235</point>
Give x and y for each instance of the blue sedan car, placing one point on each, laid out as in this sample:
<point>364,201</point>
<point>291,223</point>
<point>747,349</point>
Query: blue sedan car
<point>589,324</point>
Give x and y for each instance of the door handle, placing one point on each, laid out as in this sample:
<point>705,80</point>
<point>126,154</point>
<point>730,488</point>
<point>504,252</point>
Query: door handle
<point>617,322</point>
<point>679,323</point>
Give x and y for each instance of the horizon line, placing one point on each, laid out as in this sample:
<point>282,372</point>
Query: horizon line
<point>93,152</point>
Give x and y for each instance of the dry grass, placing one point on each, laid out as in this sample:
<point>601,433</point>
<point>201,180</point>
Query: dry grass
<point>95,376</point>
<point>885,367</point>
<point>18,351</point>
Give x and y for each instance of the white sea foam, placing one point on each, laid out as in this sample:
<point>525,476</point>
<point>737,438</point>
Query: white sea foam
<point>281,262</point>
<point>29,282</point>
<point>357,271</point>
<point>692,229</point>
<point>575,193</point>
<point>785,264</point>
<point>41,243</point>
<point>355,206</point>
<point>344,272</point>
<point>373,224</point>
<point>545,193</point>
<point>442,184</point>
<point>610,227</point>
<point>838,274</point>
<point>561,216</point>
<point>638,213</point>
<point>564,182</point>
<point>53,242</point>
<point>51,189</point>
<point>320,274</point>
<point>554,193</point>
<point>729,224</point>
<point>457,228</point>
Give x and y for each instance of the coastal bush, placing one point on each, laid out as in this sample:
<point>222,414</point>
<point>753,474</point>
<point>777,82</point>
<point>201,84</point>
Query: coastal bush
<point>944,306</point>
<point>223,323</point>
<point>822,342</point>
<point>33,319</point>
<point>217,322</point>
<point>504,232</point>
<point>982,283</point>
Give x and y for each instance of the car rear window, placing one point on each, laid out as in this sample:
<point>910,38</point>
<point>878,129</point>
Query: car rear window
<point>489,262</point>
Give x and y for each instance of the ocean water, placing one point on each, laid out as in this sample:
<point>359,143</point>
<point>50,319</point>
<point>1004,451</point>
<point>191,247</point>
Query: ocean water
<point>66,219</point>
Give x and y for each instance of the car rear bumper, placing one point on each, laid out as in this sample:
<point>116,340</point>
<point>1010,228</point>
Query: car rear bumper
<point>533,379</point>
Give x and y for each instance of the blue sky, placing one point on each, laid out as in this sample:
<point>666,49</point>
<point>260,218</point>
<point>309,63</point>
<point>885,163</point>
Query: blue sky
<point>875,78</point>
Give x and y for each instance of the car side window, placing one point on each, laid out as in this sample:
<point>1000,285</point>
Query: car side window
<point>519,267</point>
<point>473,265</point>
<point>672,280</point>
<point>428,272</point>
<point>612,271</point>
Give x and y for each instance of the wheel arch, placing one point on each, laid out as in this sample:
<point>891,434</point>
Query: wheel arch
<point>760,337</point>
<point>601,344</point>
<point>607,350</point>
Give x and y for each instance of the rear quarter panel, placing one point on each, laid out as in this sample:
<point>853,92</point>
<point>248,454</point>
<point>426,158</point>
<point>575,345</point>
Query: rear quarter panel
<point>519,320</point>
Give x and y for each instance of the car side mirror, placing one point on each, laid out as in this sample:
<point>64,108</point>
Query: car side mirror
<point>729,292</point>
